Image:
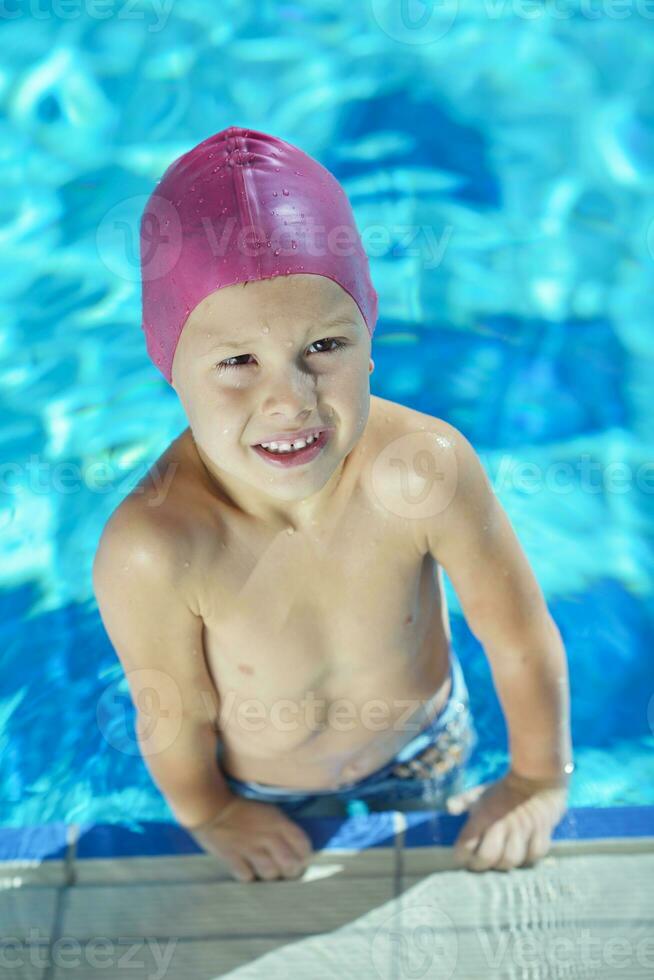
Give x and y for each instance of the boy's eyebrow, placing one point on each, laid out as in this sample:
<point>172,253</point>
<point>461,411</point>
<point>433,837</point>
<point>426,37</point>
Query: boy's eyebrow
<point>340,320</point>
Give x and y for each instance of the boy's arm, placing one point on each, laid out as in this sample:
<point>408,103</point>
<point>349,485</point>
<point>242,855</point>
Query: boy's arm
<point>158,639</point>
<point>504,606</point>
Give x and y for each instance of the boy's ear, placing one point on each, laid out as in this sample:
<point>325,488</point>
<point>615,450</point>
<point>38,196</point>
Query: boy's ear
<point>372,365</point>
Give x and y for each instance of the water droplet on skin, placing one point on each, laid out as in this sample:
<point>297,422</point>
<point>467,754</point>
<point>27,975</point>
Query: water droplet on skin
<point>277,169</point>
<point>290,530</point>
<point>265,330</point>
<point>276,252</point>
<point>285,192</point>
<point>274,195</point>
<point>187,564</point>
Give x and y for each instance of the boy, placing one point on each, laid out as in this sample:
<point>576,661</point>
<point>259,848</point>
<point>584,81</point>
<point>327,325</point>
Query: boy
<point>302,579</point>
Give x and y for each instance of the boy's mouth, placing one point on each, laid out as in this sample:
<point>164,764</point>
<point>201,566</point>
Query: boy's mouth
<point>294,457</point>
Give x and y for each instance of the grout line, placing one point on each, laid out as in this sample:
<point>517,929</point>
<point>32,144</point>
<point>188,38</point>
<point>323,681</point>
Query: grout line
<point>72,834</point>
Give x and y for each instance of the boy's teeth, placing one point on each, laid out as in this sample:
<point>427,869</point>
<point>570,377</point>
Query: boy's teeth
<point>286,447</point>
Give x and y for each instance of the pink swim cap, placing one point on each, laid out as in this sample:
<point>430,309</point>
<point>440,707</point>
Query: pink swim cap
<point>242,206</point>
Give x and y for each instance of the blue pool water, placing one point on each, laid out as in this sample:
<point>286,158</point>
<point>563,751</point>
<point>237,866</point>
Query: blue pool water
<point>511,161</point>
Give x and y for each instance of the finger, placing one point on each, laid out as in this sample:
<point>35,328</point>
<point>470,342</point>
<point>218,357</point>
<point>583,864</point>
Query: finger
<point>515,849</point>
<point>285,856</point>
<point>489,849</point>
<point>299,841</point>
<point>467,842</point>
<point>241,869</point>
<point>264,864</point>
<point>537,846</point>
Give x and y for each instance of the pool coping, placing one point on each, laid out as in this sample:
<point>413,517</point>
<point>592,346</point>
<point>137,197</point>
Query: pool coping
<point>37,845</point>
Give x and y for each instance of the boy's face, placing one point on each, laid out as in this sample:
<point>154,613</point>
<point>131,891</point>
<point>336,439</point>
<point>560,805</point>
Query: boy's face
<point>286,372</point>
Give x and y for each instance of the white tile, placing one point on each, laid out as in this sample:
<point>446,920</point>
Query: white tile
<point>21,962</point>
<point>425,860</point>
<point>565,922</point>
<point>18,873</point>
<point>181,960</point>
<point>374,861</point>
<point>183,867</point>
<point>207,911</point>
<point>601,888</point>
<point>27,913</point>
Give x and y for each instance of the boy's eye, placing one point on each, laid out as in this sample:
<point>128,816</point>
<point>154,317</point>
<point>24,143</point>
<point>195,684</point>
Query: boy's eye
<point>226,365</point>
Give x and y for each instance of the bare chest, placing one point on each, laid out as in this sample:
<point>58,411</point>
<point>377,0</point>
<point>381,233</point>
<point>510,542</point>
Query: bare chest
<point>298,621</point>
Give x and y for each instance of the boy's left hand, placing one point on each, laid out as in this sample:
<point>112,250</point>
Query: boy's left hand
<point>510,823</point>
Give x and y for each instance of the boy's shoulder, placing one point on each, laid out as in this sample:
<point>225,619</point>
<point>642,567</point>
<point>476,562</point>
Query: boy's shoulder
<point>408,419</point>
<point>423,467</point>
<point>154,514</point>
<point>406,434</point>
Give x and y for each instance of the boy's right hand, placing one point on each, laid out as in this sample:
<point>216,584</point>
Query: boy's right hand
<point>256,840</point>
